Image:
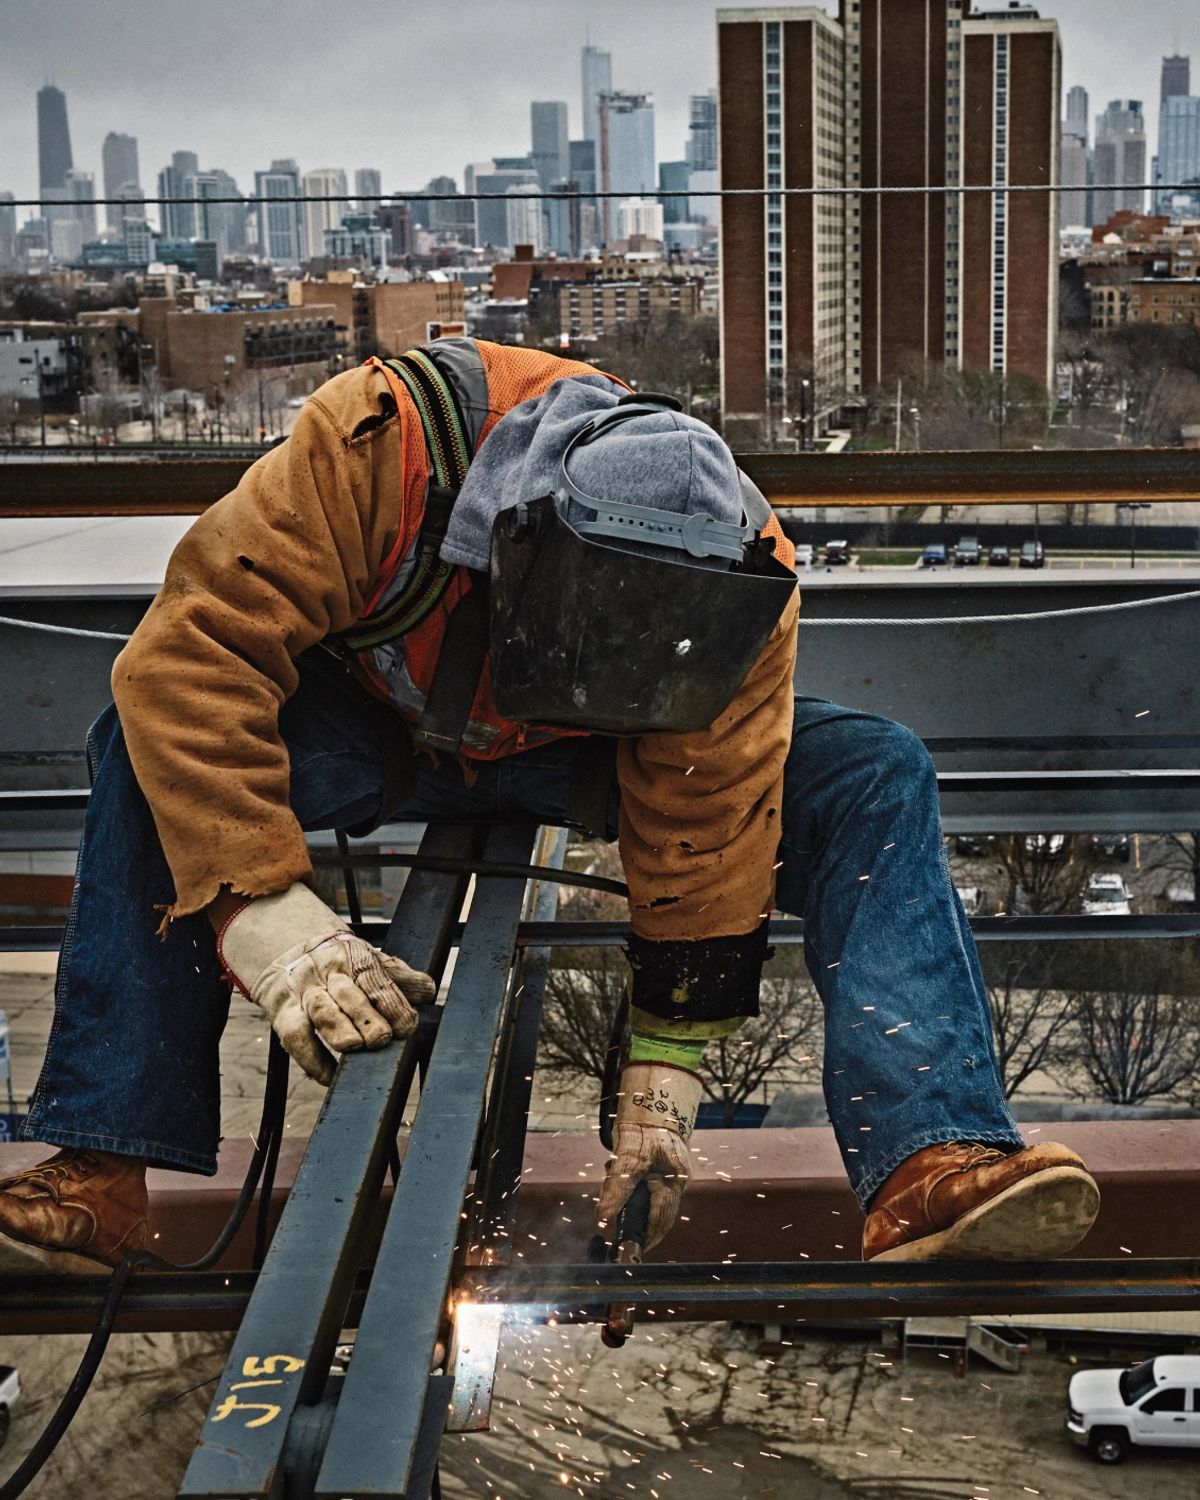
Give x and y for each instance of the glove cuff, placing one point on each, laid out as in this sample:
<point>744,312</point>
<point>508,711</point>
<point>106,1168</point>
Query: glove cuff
<point>660,1097</point>
<point>291,923</point>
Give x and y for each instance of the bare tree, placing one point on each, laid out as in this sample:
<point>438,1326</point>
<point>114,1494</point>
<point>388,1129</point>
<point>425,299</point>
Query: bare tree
<point>1045,872</point>
<point>1135,1036</point>
<point>779,1042</point>
<point>1028,1018</point>
<point>581,1003</point>
<point>1182,858</point>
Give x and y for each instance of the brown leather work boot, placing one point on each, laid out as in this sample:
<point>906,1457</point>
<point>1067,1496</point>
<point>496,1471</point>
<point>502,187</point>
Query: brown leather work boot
<point>966,1201</point>
<point>80,1211</point>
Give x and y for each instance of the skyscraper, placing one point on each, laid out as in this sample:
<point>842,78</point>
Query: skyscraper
<point>1075,163</point>
<point>368,185</point>
<point>524,218</point>
<point>596,69</point>
<point>492,215</point>
<point>849,291</point>
<point>119,158</point>
<point>1176,77</point>
<point>324,182</point>
<point>280,228</point>
<point>701,149</point>
<point>80,190</point>
<point>1120,158</point>
<point>1179,155</point>
<point>54,137</point>
<point>627,160</point>
<point>551,147</point>
<point>1077,111</point>
<point>178,220</point>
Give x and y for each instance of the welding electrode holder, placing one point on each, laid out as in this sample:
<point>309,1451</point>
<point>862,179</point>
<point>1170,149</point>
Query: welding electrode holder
<point>629,1238</point>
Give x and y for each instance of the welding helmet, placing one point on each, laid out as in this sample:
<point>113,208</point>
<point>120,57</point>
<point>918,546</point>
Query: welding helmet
<point>624,618</point>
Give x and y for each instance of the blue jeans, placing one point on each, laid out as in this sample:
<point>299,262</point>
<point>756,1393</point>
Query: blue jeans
<point>132,1065</point>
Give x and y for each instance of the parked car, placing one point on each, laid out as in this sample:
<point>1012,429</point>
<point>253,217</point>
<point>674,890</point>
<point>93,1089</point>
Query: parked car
<point>1033,555</point>
<point>1107,896</point>
<point>934,556</point>
<point>1049,844</point>
<point>966,552</point>
<point>1152,1405</point>
<point>972,844</point>
<point>1113,845</point>
<point>1181,892</point>
<point>837,554</point>
<point>971,897</point>
<point>999,557</point>
<point>10,1394</point>
<point>804,555</point>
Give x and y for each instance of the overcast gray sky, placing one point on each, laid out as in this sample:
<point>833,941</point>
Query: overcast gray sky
<point>415,89</point>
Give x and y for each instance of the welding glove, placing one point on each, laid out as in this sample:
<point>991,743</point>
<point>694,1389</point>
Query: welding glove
<point>656,1114</point>
<point>324,989</point>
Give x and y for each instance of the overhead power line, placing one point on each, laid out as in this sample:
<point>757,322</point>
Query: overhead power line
<point>539,196</point>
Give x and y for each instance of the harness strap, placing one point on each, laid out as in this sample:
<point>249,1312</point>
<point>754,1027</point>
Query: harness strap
<point>450,457</point>
<point>459,666</point>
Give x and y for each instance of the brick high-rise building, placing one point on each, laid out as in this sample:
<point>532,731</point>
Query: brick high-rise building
<point>849,291</point>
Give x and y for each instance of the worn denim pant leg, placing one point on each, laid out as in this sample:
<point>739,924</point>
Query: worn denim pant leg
<point>132,1062</point>
<point>909,1055</point>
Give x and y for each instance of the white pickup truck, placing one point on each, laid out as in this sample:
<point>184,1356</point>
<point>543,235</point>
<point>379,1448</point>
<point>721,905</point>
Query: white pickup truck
<point>1152,1405</point>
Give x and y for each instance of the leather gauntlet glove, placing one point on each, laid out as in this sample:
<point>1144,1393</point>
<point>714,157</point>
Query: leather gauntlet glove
<point>656,1114</point>
<point>324,989</point>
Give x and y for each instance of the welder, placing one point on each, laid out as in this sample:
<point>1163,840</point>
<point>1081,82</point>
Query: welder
<point>486,582</point>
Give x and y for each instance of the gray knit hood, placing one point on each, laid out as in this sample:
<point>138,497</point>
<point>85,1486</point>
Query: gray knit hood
<point>663,459</point>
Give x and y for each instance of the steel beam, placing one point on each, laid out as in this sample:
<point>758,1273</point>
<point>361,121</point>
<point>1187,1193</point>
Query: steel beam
<point>845,1289</point>
<point>148,485</point>
<point>281,1357</point>
<point>387,1391</point>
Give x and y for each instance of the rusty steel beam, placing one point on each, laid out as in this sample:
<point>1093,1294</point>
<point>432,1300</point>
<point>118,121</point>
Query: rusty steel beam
<point>177,486</point>
<point>1061,476</point>
<point>116,486</point>
<point>778,1194</point>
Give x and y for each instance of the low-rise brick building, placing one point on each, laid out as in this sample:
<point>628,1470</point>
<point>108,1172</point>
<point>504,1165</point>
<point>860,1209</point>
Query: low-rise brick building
<point>383,318</point>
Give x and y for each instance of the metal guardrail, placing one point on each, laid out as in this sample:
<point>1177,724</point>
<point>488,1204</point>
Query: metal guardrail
<point>160,484</point>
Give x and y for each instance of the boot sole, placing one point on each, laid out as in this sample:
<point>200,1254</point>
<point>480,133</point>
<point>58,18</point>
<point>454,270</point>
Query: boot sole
<point>1039,1218</point>
<point>20,1259</point>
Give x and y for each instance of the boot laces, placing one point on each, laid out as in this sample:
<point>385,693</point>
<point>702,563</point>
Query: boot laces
<point>53,1175</point>
<point>977,1153</point>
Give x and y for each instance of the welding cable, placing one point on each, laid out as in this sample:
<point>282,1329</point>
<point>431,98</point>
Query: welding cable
<point>807,623</point>
<point>262,1164</point>
<point>443,865</point>
<point>1016,619</point>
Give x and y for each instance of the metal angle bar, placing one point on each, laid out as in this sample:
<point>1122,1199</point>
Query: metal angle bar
<point>76,799</point>
<point>784,930</point>
<point>151,485</point>
<point>1072,781</point>
<point>494,1205</point>
<point>283,1349</point>
<point>892,1290</point>
<point>380,1418</point>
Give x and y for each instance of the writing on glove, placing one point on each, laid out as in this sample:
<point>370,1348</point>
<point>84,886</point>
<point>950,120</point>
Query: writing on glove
<point>656,1114</point>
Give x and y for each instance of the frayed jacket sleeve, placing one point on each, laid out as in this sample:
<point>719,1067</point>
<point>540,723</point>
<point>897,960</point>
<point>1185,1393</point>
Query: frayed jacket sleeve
<point>283,561</point>
<point>700,829</point>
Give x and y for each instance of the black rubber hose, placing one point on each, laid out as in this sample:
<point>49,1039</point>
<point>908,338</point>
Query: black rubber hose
<point>445,866</point>
<point>270,1131</point>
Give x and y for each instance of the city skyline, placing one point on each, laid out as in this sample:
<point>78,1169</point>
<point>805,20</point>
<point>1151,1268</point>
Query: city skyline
<point>1108,50</point>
